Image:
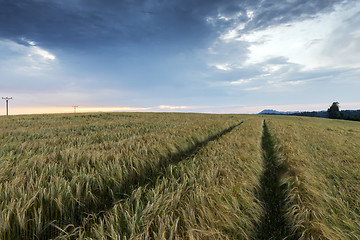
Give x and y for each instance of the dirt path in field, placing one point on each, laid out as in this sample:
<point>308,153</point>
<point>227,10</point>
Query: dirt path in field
<point>272,194</point>
<point>174,159</point>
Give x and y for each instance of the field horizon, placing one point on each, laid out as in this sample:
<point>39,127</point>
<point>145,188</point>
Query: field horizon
<point>178,176</point>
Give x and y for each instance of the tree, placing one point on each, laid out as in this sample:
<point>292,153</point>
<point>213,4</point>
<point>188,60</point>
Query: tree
<point>334,111</point>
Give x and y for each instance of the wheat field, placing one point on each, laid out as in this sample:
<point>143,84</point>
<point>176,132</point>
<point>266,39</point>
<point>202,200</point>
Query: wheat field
<point>178,176</point>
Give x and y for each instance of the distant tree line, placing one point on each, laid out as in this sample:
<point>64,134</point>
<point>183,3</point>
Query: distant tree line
<point>335,113</point>
<point>321,114</point>
<point>353,115</point>
<point>332,112</point>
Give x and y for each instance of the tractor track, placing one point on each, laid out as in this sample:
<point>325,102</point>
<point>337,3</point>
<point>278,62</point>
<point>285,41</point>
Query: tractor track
<point>273,194</point>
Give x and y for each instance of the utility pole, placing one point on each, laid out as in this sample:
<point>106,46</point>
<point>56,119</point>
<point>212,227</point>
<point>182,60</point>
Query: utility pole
<point>75,108</point>
<point>7,104</point>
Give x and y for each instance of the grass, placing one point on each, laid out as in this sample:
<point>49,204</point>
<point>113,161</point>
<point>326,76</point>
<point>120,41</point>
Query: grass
<point>208,195</point>
<point>273,194</point>
<point>57,169</point>
<point>178,176</point>
<point>324,159</point>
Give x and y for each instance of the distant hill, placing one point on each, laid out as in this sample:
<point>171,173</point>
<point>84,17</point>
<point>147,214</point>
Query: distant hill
<point>274,112</point>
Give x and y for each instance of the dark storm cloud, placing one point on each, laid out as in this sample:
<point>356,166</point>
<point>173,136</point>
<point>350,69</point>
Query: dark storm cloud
<point>87,23</point>
<point>273,12</point>
<point>82,24</point>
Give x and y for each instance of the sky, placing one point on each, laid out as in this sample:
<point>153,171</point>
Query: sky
<point>228,56</point>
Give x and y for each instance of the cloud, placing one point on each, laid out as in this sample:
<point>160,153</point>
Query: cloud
<point>25,59</point>
<point>285,60</point>
<point>267,55</point>
<point>81,23</point>
<point>272,13</point>
<point>41,52</point>
<point>306,42</point>
<point>241,81</point>
<point>167,107</point>
<point>224,67</point>
<point>151,52</point>
<point>279,80</point>
<point>252,89</point>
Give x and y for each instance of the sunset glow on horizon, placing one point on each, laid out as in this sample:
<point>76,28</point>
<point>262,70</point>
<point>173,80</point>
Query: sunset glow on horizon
<point>232,109</point>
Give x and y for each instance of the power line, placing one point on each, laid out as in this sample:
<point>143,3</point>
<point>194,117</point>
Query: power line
<point>7,104</point>
<point>75,108</point>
